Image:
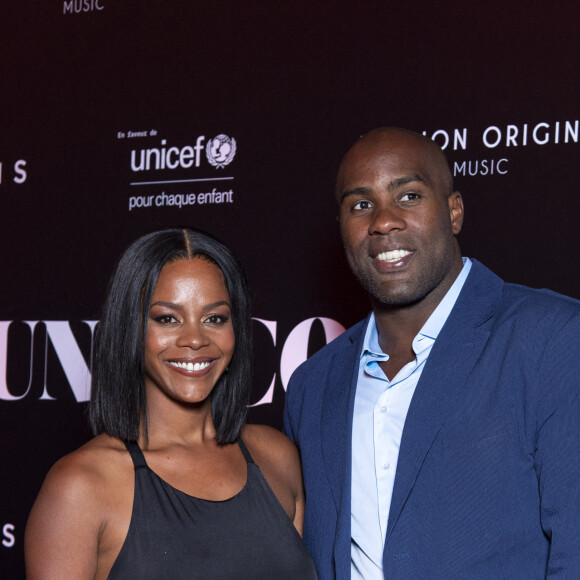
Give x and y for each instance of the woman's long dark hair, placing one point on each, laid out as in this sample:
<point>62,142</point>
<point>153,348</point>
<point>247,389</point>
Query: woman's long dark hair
<point>118,399</point>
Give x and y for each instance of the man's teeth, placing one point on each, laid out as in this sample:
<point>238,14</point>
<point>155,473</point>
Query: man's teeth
<point>190,366</point>
<point>393,255</point>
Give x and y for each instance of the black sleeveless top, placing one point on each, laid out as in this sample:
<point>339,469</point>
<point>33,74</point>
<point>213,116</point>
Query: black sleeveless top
<point>175,536</point>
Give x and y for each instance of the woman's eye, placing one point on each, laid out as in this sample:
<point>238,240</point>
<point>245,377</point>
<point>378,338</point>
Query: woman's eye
<point>217,319</point>
<point>164,319</point>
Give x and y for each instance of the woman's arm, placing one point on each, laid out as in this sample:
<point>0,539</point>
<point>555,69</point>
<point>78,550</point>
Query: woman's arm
<point>62,533</point>
<point>279,462</point>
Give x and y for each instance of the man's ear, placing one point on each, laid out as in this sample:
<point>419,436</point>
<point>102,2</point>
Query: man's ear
<point>455,204</point>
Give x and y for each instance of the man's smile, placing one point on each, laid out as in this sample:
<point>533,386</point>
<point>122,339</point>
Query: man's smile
<point>392,255</point>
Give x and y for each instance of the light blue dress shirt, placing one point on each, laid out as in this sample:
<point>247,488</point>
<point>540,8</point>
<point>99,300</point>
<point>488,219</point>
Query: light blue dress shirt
<point>380,410</point>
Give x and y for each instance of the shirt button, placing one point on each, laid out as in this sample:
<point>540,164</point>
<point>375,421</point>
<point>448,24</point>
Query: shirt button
<point>383,409</point>
<point>386,465</point>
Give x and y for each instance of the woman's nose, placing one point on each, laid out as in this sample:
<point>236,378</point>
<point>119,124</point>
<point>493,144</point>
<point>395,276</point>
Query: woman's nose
<point>192,335</point>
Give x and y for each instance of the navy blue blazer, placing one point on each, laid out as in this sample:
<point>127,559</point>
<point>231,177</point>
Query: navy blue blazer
<point>488,479</point>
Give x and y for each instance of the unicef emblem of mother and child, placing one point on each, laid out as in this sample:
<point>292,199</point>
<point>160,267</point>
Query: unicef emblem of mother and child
<point>220,150</point>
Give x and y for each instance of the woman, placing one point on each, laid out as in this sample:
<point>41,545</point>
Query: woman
<point>168,488</point>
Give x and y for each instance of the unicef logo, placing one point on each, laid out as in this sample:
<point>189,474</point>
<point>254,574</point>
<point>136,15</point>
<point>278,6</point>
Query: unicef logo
<point>220,150</point>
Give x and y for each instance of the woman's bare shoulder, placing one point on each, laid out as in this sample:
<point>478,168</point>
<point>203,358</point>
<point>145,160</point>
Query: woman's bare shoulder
<point>82,494</point>
<point>97,459</point>
<point>92,470</point>
<point>272,449</point>
<point>267,438</point>
<point>279,461</point>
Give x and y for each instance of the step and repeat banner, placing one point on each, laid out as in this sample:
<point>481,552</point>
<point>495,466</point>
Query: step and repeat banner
<point>118,118</point>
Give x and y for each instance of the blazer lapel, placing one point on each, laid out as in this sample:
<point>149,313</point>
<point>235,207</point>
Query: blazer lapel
<point>336,431</point>
<point>454,354</point>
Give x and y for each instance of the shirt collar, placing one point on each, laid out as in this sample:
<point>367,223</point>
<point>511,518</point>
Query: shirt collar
<point>432,326</point>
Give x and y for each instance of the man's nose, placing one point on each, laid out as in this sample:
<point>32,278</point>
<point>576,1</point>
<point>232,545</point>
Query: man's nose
<point>386,219</point>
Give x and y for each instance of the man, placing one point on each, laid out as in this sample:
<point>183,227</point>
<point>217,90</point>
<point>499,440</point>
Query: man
<point>440,437</point>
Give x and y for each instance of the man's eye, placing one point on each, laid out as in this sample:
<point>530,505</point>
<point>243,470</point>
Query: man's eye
<point>410,197</point>
<point>363,204</point>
